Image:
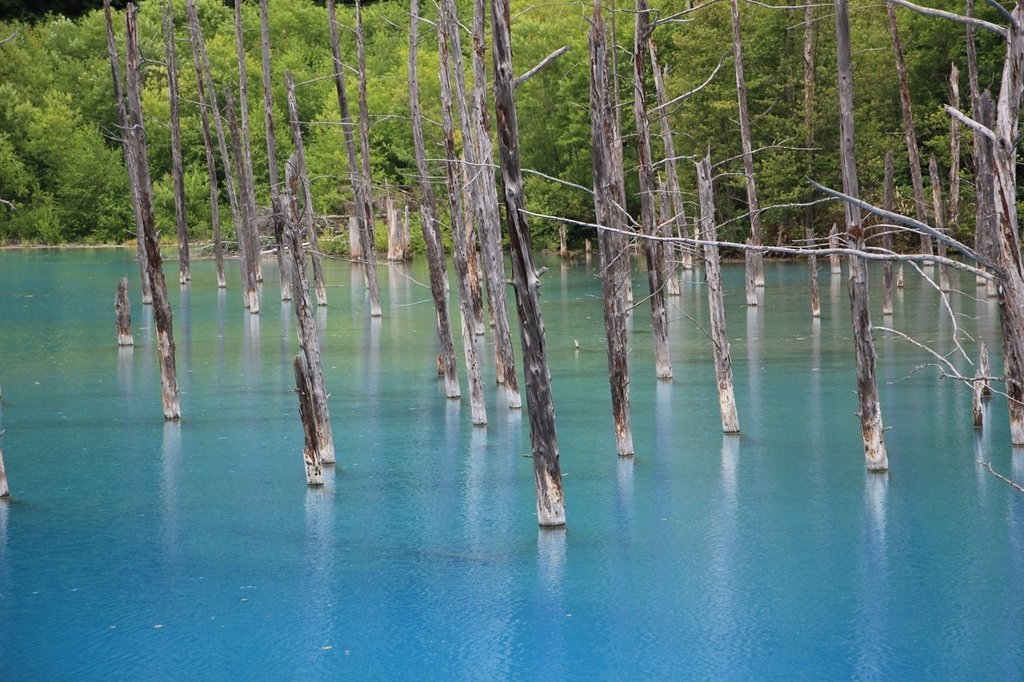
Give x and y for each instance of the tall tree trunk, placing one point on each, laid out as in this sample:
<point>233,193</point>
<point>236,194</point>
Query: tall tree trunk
<point>940,221</point>
<point>982,212</point>
<point>872,430</point>
<point>746,142</point>
<point>460,243</point>
<point>364,149</point>
<point>810,83</point>
<point>429,224</point>
<point>540,405</point>
<point>652,247</point>
<point>920,207</point>
<point>275,187</point>
<point>129,162</point>
<point>954,151</point>
<point>195,40</point>
<point>887,267</point>
<point>245,245</point>
<point>154,263</point>
<point>245,163</point>
<point>612,244</point>
<point>177,165</point>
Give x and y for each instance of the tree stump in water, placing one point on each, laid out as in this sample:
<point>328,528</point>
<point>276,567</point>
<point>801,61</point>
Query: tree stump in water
<point>307,411</point>
<point>124,314</point>
<point>5,490</point>
<point>833,243</point>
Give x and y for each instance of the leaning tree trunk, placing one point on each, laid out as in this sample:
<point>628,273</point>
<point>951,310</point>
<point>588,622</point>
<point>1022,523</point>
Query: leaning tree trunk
<point>154,263</point>
<point>612,244</point>
<point>887,245</point>
<point>177,165</point>
<point>540,406</point>
<point>129,162</point>
<point>429,224</point>
<point>245,163</point>
<point>652,246</point>
<point>675,198</point>
<point>872,430</point>
<point>364,151</point>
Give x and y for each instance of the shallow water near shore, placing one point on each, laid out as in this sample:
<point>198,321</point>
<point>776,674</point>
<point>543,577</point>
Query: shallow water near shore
<point>138,549</point>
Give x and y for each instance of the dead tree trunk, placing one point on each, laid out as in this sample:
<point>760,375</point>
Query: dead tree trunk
<point>982,211</point>
<point>954,150</point>
<point>652,247</point>
<point>364,150</point>
<point>983,367</point>
<point>887,267</point>
<point>940,221</point>
<point>177,165</point>
<point>812,263</point>
<point>716,299</point>
<point>154,263</point>
<point>986,236</point>
<point>5,490</point>
<point>612,244</point>
<point>308,337</point>
<point>833,243</point>
<point>540,405</point>
<point>129,162</point>
<point>460,243</point>
<point>124,314</point>
<point>871,428</point>
<point>307,413</point>
<point>360,189</point>
<point>756,261</point>
<point>355,239</point>
<point>920,208</point>
<point>245,246</point>
<point>810,83</point>
<point>275,187</point>
<point>245,163</point>
<point>195,40</point>
<point>429,224</point>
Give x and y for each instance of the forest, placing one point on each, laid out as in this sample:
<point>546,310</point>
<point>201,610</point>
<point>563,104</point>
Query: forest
<point>62,176</point>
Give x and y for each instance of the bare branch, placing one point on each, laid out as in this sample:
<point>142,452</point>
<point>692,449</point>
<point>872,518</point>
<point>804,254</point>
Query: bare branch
<point>958,18</point>
<point>1005,13</point>
<point>675,16</point>
<point>930,351</point>
<point>970,122</point>
<point>10,37</point>
<point>7,204</point>
<point>1004,479</point>
<point>543,63</point>
<point>691,93</point>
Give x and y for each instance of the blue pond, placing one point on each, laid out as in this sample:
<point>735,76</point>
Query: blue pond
<point>138,549</point>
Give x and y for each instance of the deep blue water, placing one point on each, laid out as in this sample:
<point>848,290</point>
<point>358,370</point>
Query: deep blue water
<point>138,549</point>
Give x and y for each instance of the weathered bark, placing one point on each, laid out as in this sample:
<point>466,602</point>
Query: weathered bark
<point>668,227</point>
<point>563,243</point>
<point>460,243</point>
<point>359,181</point>
<point>355,239</point>
<point>364,150</point>
<point>716,299</point>
<point>983,369</point>
<point>976,402</point>
<point>129,161</point>
<point>123,309</point>
<point>835,264</point>
<point>245,244</point>
<point>872,430</point>
<point>887,266</point>
<point>653,250</point>
<point>472,257</point>
<point>195,40</point>
<point>812,264</point>
<point>986,230</point>
<point>311,449</point>
<point>177,165</point>
<point>940,220</point>
<point>308,337</point>
<point>981,212</point>
<point>395,248</point>
<point>5,490</point>
<point>756,262</point>
<point>268,124</point>
<point>916,180</point>
<point>612,244</point>
<point>954,150</point>
<point>750,276</point>
<point>245,164</point>
<point>540,405</point>
<point>154,263</point>
<point>810,84</point>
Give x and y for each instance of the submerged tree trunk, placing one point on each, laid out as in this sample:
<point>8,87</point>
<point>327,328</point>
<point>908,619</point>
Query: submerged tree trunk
<point>177,165</point>
<point>872,430</point>
<point>307,412</point>
<point>887,267</point>
<point>154,263</point>
<point>547,474</point>
<point>123,309</point>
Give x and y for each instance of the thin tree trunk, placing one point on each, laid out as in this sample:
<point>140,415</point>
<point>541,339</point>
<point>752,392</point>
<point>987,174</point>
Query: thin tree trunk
<point>311,446</point>
<point>920,207</point>
<point>652,247</point>
<point>364,149</point>
<point>161,305</point>
<point>983,367</point>
<point>810,83</point>
<point>540,405</point>
<point>196,41</point>
<point>940,221</point>
<point>872,430</point>
<point>245,246</point>
<point>177,165</point>
<point>129,162</point>
<point>716,299</point>
<point>812,263</point>
<point>5,490</point>
<point>954,151</point>
<point>123,309</point>
<point>746,142</point>
<point>833,243</point>
<point>245,163</point>
<point>275,187</point>
<point>980,212</point>
<point>887,266</point>
<point>987,236</point>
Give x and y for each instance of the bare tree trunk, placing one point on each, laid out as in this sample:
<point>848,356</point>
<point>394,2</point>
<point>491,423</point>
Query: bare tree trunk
<point>920,207</point>
<point>940,221</point>
<point>987,236</point>
<point>747,144</point>
<point>5,490</point>
<point>652,247</point>
<point>275,186</point>
<point>540,406</point>
<point>833,243</point>
<point>887,269</point>
<point>983,367</point>
<point>154,263</point>
<point>245,163</point>
<point>133,182</point>
<point>245,245</point>
<point>177,165</point>
<point>716,299</point>
<point>954,150</point>
<point>460,243</point>
<point>123,309</point>
<point>812,263</point>
<point>364,149</point>
<point>872,430</point>
<point>810,83</point>
<point>196,40</point>
<point>311,447</point>
<point>750,276</point>
<point>612,244</point>
<point>981,211</point>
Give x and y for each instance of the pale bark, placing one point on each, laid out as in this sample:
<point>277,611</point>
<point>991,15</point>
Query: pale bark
<point>364,149</point>
<point>245,245</point>
<point>887,267</point>
<point>5,490</point>
<point>833,243</point>
<point>177,165</point>
<point>954,150</point>
<point>123,310</point>
<point>940,222</point>
<point>245,163</point>
<point>310,450</point>
<point>810,83</point>
<point>983,368</point>
<point>275,187</point>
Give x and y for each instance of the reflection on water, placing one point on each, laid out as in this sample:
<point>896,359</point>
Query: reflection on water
<point>873,599</point>
<point>170,482</point>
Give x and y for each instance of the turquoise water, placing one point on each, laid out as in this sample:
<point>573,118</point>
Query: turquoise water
<point>135,549</point>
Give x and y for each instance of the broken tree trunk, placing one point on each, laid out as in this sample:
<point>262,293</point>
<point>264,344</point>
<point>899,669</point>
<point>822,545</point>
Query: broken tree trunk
<point>268,123</point>
<point>977,408</point>
<point>547,474</point>
<point>611,243</point>
<point>307,413</point>
<point>716,299</point>
<point>177,165</point>
<point>245,163</point>
<point>756,261</point>
<point>652,247</point>
<point>129,161</point>
<point>195,41</point>
<point>124,314</point>
<point>833,243</point>
<point>245,244</point>
<point>154,263</point>
<point>887,268</point>
<point>872,430</point>
<point>940,221</point>
<point>364,151</point>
